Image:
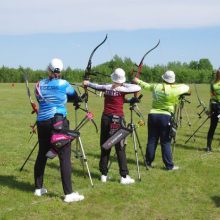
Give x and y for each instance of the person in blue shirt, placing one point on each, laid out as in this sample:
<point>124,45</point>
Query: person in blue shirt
<point>52,95</point>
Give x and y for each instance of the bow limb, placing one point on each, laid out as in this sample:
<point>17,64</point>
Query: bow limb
<point>142,60</point>
<point>201,103</point>
<point>197,95</point>
<point>85,95</point>
<point>89,117</point>
<point>89,65</point>
<point>88,71</point>
<point>138,112</point>
<point>33,105</point>
<point>96,128</point>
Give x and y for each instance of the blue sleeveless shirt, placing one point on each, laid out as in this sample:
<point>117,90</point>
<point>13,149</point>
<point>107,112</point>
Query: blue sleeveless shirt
<point>51,95</point>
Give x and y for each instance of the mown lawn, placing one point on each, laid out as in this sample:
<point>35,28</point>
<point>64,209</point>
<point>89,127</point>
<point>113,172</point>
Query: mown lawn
<point>193,192</point>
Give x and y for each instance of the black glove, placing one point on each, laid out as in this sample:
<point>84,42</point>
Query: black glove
<point>133,100</point>
<point>77,105</point>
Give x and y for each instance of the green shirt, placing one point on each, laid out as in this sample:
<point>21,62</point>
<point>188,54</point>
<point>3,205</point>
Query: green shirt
<point>165,96</point>
<point>215,92</point>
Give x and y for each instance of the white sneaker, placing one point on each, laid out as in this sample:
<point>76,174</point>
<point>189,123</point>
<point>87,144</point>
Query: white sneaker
<point>149,167</point>
<point>73,197</point>
<point>127,180</point>
<point>174,168</point>
<point>104,178</point>
<point>40,192</point>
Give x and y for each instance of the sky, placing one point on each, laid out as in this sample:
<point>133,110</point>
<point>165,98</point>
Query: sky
<point>32,32</point>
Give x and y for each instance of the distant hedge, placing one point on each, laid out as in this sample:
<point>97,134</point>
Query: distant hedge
<point>196,71</point>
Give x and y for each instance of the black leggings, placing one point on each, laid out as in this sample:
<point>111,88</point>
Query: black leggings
<point>213,125</point>
<point>105,154</point>
<point>44,133</point>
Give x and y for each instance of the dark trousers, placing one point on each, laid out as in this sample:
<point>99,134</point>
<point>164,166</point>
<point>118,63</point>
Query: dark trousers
<point>158,129</point>
<point>213,125</point>
<point>44,134</point>
<point>105,154</point>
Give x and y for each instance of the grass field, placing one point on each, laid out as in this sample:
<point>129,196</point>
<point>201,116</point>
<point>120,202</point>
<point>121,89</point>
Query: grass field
<point>193,192</point>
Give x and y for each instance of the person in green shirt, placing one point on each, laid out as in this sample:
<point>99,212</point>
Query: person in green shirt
<point>214,109</point>
<point>165,97</point>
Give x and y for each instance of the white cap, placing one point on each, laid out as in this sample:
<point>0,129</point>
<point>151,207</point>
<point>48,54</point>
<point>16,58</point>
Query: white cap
<point>56,65</point>
<point>169,76</point>
<point>118,76</point>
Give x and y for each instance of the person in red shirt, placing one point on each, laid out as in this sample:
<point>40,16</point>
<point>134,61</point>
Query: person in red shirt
<point>114,97</point>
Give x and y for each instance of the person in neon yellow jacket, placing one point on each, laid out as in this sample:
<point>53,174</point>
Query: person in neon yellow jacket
<point>165,97</point>
<point>214,109</point>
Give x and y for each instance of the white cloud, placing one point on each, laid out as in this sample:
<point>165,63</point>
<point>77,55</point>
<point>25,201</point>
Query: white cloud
<point>61,16</point>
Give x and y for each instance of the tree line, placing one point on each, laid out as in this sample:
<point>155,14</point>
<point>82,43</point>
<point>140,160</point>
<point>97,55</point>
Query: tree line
<point>193,72</point>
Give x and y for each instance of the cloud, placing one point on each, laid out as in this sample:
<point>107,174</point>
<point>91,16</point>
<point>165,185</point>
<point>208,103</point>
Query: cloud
<point>64,16</point>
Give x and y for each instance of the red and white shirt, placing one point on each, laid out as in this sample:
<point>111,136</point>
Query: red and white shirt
<point>114,97</point>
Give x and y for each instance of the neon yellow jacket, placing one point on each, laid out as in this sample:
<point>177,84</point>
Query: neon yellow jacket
<point>215,92</point>
<point>165,96</point>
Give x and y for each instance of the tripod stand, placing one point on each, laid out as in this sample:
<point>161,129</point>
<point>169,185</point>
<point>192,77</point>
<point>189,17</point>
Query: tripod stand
<point>29,156</point>
<point>32,133</point>
<point>177,120</point>
<point>135,137</point>
<point>208,117</point>
<point>204,111</point>
<point>79,150</point>
<point>179,109</point>
<point>84,160</point>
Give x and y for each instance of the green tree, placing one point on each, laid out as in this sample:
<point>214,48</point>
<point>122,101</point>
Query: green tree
<point>196,71</point>
<point>205,64</point>
<point>194,65</point>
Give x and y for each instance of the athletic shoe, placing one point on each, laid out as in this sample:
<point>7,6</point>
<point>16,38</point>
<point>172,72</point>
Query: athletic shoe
<point>104,178</point>
<point>40,192</point>
<point>73,197</point>
<point>149,166</point>
<point>127,180</point>
<point>208,149</point>
<point>173,168</point>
